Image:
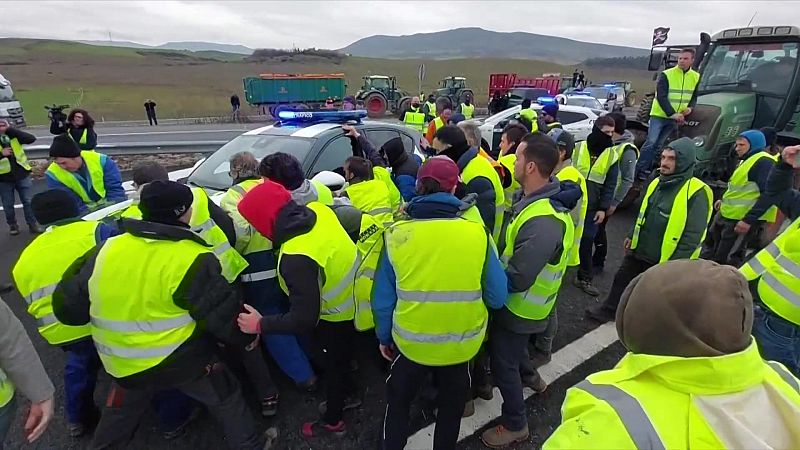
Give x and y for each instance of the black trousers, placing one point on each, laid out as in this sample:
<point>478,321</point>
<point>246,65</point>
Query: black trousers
<point>218,390</point>
<point>452,385</point>
<point>630,268</point>
<point>152,118</point>
<point>337,340</point>
<point>255,366</point>
<point>725,246</point>
<point>600,245</point>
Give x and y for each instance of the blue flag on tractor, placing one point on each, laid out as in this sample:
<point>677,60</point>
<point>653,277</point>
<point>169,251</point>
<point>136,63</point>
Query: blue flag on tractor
<point>660,35</point>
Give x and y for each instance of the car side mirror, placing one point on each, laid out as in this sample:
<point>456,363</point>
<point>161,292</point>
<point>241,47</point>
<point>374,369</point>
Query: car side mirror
<point>330,179</point>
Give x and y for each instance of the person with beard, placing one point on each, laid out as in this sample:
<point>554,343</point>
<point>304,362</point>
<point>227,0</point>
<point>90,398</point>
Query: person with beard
<point>597,161</point>
<point>671,225</point>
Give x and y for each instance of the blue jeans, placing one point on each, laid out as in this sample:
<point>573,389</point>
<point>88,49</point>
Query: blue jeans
<point>6,418</point>
<point>657,133</point>
<point>23,188</point>
<point>777,338</point>
<point>80,378</point>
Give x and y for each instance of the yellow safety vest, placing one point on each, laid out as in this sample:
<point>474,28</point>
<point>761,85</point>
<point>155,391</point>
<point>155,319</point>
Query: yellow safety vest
<point>669,402</point>
<point>19,155</point>
<point>337,257</point>
<point>395,198</point>
<point>598,171</point>
<point>431,108</point>
<point>570,173</point>
<point>324,194</point>
<point>677,217</point>
<point>777,268</point>
<point>134,320</point>
<point>467,110</point>
<point>681,87</point>
<point>372,198</point>
<point>480,167</point>
<point>620,149</point>
<point>40,268</point>
<point>440,318</point>
<point>438,123</point>
<point>742,194</point>
<point>370,245</point>
<point>415,119</point>
<point>84,137</point>
<point>530,114</point>
<point>537,302</point>
<point>508,162</point>
<point>94,164</point>
<point>201,223</point>
<point>6,389</point>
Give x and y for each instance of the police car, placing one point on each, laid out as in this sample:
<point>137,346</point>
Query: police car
<point>579,98</point>
<point>315,138</point>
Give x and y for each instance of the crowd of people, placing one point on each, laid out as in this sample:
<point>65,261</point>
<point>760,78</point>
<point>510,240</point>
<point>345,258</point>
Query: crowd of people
<point>169,291</point>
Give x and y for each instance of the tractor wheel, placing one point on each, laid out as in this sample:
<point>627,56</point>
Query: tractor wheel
<point>631,99</point>
<point>376,105</point>
<point>643,115</point>
<point>404,105</point>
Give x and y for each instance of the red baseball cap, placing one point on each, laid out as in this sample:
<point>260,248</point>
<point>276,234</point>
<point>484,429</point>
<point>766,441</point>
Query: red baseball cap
<point>441,169</point>
<point>261,205</point>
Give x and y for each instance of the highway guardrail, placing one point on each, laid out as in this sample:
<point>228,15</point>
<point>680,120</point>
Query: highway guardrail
<point>137,148</point>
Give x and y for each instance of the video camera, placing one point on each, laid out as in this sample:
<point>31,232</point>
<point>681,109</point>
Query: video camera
<point>56,113</point>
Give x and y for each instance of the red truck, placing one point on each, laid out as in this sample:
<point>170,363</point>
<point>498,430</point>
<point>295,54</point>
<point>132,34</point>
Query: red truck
<point>501,83</point>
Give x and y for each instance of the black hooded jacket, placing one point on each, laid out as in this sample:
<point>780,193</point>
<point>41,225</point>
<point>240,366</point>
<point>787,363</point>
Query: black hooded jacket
<point>600,195</point>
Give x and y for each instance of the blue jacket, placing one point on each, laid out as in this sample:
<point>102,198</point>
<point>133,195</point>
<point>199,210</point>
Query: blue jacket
<point>758,174</point>
<point>384,295</point>
<point>111,178</point>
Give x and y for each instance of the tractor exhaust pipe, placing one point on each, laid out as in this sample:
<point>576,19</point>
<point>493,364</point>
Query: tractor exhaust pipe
<point>705,43</point>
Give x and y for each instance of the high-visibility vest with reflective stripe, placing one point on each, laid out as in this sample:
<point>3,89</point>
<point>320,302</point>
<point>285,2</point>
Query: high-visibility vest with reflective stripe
<point>324,194</point>
<point>467,110</point>
<point>6,389</point>
<point>370,245</point>
<point>743,194</point>
<point>372,198</point>
<point>337,257</point>
<point>201,223</point>
<point>553,125</point>
<point>681,87</point>
<point>252,245</point>
<point>677,217</point>
<point>667,402</point>
<point>480,167</point>
<point>94,164</point>
<point>84,137</point>
<point>508,162</point>
<point>438,123</point>
<point>570,173</point>
<point>598,171</point>
<point>620,149</point>
<point>777,268</point>
<point>40,268</point>
<point>415,119</point>
<point>537,302</point>
<point>431,108</point>
<point>134,320</point>
<point>395,198</point>
<point>440,318</point>
<point>530,114</point>
<point>19,155</point>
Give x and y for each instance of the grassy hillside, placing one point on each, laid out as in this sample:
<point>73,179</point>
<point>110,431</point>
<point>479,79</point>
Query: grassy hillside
<point>113,82</point>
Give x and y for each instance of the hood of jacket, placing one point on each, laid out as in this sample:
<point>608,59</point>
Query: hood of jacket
<point>293,220</point>
<point>757,140</point>
<point>626,138</point>
<point>462,153</point>
<point>441,205</point>
<point>563,195</point>
<point>685,160</point>
<point>395,151</point>
<point>305,194</point>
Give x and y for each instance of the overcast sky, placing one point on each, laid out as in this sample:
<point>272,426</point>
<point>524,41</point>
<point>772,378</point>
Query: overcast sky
<point>332,24</point>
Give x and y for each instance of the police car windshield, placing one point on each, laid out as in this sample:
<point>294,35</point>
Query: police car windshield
<point>213,172</point>
<point>586,102</point>
<point>597,92</point>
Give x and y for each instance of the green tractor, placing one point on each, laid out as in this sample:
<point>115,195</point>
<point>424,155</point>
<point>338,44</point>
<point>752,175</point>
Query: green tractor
<point>380,94</point>
<point>455,89</point>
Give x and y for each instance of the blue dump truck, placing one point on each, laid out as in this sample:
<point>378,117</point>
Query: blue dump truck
<point>277,91</point>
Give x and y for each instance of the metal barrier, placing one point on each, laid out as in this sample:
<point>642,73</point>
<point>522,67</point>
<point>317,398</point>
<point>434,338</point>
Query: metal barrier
<point>137,148</point>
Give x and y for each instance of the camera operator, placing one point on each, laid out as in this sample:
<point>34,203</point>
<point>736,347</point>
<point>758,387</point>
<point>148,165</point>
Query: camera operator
<point>79,125</point>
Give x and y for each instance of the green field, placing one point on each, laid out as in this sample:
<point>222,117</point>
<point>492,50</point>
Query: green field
<point>112,82</point>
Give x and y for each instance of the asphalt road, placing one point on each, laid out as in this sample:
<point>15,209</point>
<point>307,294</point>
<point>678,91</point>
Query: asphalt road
<point>169,133</point>
<point>365,423</point>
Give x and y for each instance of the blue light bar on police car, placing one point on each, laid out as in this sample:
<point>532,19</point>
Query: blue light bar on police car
<point>300,116</point>
<point>543,100</point>
<point>610,85</point>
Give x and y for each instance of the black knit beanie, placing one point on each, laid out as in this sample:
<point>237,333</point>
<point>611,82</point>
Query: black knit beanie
<point>64,146</point>
<point>54,205</point>
<point>165,201</point>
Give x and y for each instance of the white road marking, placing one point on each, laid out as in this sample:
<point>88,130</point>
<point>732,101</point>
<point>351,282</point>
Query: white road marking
<point>563,362</point>
<point>15,207</point>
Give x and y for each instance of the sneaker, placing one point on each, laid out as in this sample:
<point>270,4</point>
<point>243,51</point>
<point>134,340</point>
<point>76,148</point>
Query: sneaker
<point>181,429</point>
<point>309,386</point>
<point>600,314</point>
<point>469,409</point>
<point>320,428</point>
<point>349,403</point>
<point>536,383</point>
<point>269,406</point>
<point>269,438</point>
<point>485,391</point>
<point>538,359</point>
<point>35,228</point>
<point>587,287</point>
<point>13,229</point>
<point>77,430</point>
<point>500,436</point>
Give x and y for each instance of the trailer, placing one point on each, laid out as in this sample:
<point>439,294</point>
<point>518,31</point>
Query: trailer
<point>10,108</point>
<point>277,91</point>
<point>501,83</point>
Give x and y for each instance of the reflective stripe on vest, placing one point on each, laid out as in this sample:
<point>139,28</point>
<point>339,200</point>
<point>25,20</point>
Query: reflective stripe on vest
<point>440,318</point>
<point>395,198</point>
<point>337,257</point>
<point>415,120</point>
<point>597,171</point>
<point>508,162</point>
<point>372,197</point>
<point>638,425</point>
<point>19,156</point>
<point>201,223</point>
<point>467,110</point>
<point>570,173</point>
<point>94,164</point>
<point>56,249</point>
<point>370,245</point>
<point>785,375</point>
<point>480,167</point>
<point>6,389</point>
<point>743,194</point>
<point>681,88</point>
<point>677,217</point>
<point>134,320</point>
<point>777,268</point>
<point>537,302</point>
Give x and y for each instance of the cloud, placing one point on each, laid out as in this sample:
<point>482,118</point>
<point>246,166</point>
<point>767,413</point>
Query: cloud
<point>335,24</point>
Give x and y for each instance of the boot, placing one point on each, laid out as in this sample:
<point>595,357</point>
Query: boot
<point>500,436</point>
<point>600,313</point>
<point>469,408</point>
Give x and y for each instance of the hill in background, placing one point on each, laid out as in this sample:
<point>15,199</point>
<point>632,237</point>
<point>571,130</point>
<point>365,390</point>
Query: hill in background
<point>480,43</point>
<point>191,46</point>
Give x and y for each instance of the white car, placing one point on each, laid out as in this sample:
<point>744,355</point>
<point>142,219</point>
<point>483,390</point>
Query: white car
<point>584,100</point>
<point>575,119</point>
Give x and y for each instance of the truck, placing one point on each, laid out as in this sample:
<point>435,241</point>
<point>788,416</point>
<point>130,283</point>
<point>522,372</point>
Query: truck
<point>380,94</point>
<point>10,108</point>
<point>518,88</point>
<point>274,92</point>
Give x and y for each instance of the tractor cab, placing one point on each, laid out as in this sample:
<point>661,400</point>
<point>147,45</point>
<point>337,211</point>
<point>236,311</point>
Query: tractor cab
<point>379,83</point>
<point>455,89</point>
<point>454,83</point>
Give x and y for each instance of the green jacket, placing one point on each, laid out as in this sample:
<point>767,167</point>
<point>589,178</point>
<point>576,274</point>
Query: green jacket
<point>660,207</point>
